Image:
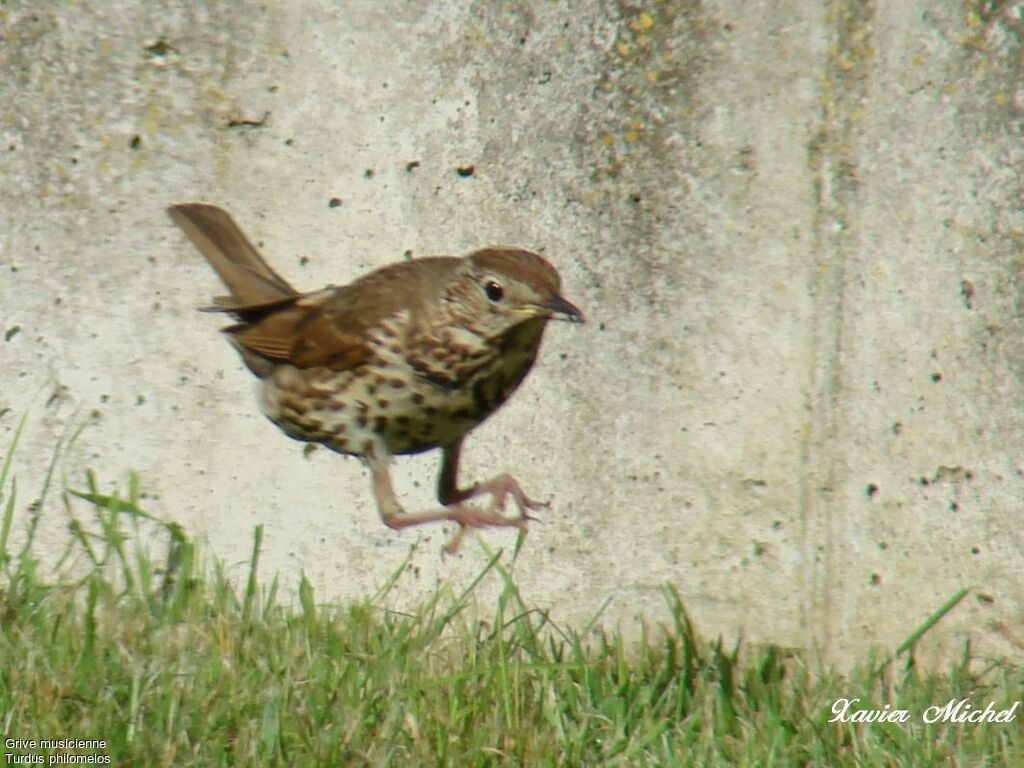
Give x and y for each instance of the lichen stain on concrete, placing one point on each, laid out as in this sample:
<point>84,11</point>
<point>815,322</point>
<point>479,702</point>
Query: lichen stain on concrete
<point>638,144</point>
<point>986,88</point>
<point>648,95</point>
<point>843,87</point>
<point>833,156</point>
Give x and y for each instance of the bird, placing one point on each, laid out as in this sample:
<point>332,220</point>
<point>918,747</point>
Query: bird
<point>407,358</point>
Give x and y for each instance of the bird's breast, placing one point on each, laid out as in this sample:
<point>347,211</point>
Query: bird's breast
<point>407,398</point>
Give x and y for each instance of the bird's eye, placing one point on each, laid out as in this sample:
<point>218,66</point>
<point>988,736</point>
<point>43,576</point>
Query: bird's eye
<point>494,290</point>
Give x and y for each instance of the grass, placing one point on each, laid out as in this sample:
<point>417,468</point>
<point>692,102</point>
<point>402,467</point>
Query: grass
<point>171,663</point>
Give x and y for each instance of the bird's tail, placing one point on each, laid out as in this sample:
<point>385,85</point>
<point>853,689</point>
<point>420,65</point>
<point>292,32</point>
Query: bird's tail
<point>253,284</point>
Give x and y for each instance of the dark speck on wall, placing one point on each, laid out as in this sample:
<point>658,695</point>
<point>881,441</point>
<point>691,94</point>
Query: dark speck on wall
<point>967,293</point>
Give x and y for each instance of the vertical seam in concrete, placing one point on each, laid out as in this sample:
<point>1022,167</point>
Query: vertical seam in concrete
<point>832,157</point>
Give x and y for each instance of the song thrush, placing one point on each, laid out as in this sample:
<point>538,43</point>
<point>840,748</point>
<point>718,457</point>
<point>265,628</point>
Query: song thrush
<point>407,358</point>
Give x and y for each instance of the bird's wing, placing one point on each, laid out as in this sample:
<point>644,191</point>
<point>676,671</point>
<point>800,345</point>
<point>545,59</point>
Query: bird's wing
<point>332,328</point>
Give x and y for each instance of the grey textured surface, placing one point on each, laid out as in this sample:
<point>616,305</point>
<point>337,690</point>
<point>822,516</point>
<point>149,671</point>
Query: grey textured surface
<point>795,229</point>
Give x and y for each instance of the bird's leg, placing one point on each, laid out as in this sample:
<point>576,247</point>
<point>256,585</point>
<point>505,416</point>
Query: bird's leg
<point>500,487</point>
<point>395,517</point>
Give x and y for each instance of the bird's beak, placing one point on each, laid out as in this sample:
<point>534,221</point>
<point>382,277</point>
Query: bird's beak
<point>557,308</point>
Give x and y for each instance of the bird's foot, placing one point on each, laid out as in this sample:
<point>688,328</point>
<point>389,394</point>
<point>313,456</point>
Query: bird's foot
<point>475,517</point>
<point>500,488</point>
<point>465,516</point>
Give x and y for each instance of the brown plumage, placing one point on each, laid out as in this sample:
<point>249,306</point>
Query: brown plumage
<point>407,358</point>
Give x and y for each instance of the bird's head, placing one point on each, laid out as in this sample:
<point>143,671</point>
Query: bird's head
<point>497,289</point>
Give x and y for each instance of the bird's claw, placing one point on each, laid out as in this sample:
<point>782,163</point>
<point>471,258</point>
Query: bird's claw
<point>467,517</point>
<point>500,489</point>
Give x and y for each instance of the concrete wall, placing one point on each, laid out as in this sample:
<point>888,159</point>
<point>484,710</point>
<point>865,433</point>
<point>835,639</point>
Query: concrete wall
<point>795,228</point>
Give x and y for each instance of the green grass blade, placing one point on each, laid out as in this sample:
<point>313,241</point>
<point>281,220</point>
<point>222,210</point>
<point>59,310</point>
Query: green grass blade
<point>254,564</point>
<point>8,512</point>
